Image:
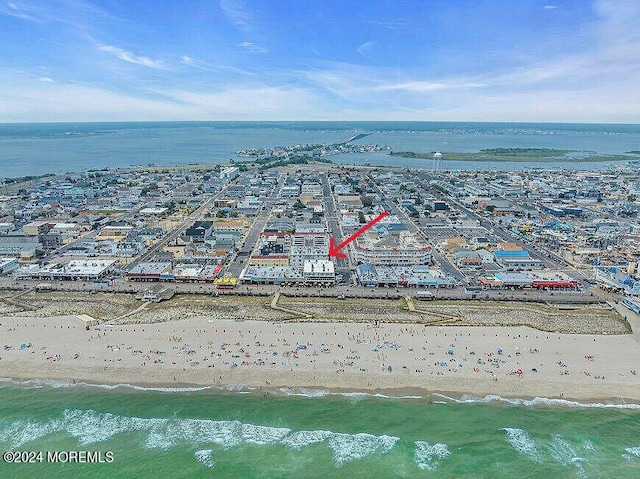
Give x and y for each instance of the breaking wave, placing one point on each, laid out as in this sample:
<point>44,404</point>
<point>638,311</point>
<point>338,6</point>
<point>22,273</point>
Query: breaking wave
<point>90,427</point>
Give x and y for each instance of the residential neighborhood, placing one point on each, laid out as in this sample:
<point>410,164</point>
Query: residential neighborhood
<point>229,226</point>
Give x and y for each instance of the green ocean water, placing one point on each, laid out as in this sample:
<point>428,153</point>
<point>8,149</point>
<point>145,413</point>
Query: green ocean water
<point>209,433</point>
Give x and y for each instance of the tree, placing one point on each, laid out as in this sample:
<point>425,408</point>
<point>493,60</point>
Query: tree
<point>367,201</point>
<point>361,217</point>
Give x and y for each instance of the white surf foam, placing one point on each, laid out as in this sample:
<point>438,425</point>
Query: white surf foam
<point>426,455</point>
<point>631,453</point>
<point>164,390</point>
<point>538,401</point>
<point>92,427</point>
<point>205,457</point>
<point>523,443</point>
<point>302,392</point>
<point>300,439</point>
<point>320,393</point>
<point>345,447</point>
<point>565,454</point>
<point>20,432</point>
<point>55,383</point>
<point>350,447</point>
<point>261,435</point>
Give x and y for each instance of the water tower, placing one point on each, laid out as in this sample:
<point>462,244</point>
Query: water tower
<point>437,161</point>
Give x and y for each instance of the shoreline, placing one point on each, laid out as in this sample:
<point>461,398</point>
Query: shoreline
<point>334,358</point>
<point>315,392</point>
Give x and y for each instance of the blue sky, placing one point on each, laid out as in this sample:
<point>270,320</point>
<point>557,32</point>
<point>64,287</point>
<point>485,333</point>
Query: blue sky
<point>463,60</point>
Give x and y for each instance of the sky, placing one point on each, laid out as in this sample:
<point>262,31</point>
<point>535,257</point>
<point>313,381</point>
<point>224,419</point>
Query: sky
<point>428,60</point>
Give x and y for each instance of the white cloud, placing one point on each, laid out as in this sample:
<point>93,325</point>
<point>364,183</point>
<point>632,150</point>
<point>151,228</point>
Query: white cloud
<point>187,60</point>
<point>21,11</point>
<point>251,102</point>
<point>206,66</point>
<point>71,102</point>
<point>46,79</point>
<point>550,7</point>
<point>253,48</point>
<point>237,13</point>
<point>365,49</point>
<point>132,58</point>
<point>425,86</point>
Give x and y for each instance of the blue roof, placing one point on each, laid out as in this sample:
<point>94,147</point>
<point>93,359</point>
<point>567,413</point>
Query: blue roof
<point>367,267</point>
<point>511,254</point>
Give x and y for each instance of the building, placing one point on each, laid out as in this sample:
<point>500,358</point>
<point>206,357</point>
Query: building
<point>36,228</point>
<point>517,260</point>
<point>114,231</point>
<point>75,270</point>
<point>229,173</point>
<point>271,249</point>
<point>200,230</point>
<point>50,242</point>
<point>467,259</point>
<point>312,189</point>
<point>290,191</point>
<point>7,265</point>
<point>150,271</point>
<point>19,245</point>
<point>312,246</point>
<point>319,271</point>
<point>271,275</point>
<point>417,276</point>
<point>392,249</point>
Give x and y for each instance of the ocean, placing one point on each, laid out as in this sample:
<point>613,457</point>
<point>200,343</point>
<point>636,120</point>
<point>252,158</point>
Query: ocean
<point>201,432</point>
<point>40,148</point>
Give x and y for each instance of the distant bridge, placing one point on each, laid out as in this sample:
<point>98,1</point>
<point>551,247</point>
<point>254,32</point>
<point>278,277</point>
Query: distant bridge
<point>355,137</point>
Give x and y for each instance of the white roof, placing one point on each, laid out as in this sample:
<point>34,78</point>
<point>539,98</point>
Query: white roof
<point>318,266</point>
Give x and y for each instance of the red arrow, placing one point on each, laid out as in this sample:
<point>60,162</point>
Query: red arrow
<point>334,250</point>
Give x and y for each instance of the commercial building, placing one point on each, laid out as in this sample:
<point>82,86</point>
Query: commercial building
<point>75,270</point>
<point>229,173</point>
<point>390,248</point>
<point>19,245</point>
<point>417,276</point>
<point>271,249</point>
<point>7,265</point>
<point>319,271</point>
<point>150,271</point>
<point>517,260</point>
<point>271,275</point>
<point>312,246</point>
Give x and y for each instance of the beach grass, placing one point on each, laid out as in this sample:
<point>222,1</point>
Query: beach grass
<point>124,308</point>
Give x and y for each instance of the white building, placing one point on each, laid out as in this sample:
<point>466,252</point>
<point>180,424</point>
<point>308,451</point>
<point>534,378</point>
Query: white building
<point>229,173</point>
<point>312,189</point>
<point>391,249</point>
<point>8,264</point>
<point>82,270</point>
<point>310,246</point>
<point>319,271</point>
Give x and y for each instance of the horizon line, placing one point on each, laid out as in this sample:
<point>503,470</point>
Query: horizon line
<point>546,122</point>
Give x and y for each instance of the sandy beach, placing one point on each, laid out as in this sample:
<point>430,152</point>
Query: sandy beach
<point>407,358</point>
